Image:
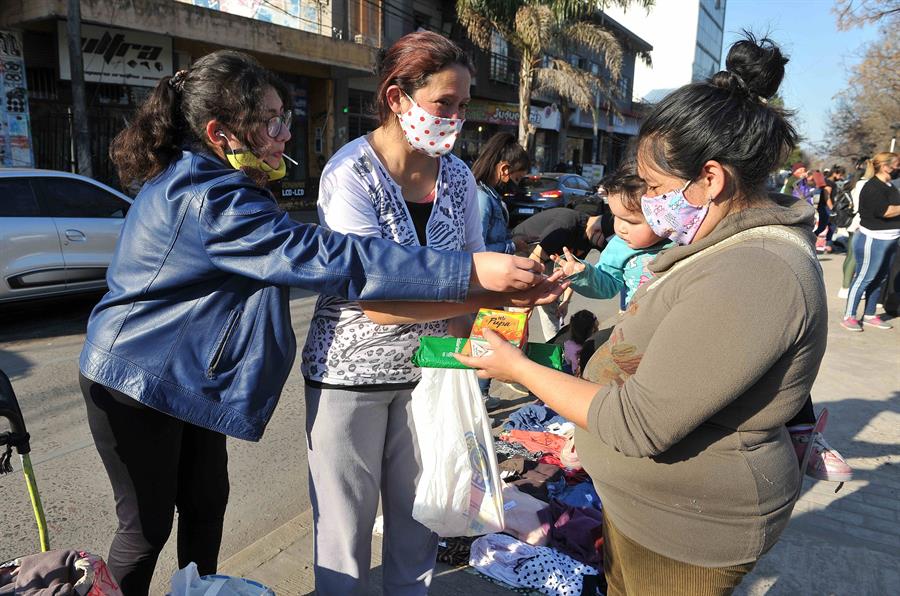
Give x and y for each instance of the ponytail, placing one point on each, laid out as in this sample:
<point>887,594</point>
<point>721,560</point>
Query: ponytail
<point>152,139</point>
<point>226,86</point>
<point>870,169</point>
<point>878,160</point>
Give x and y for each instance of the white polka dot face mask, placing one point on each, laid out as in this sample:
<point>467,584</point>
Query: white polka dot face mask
<point>432,135</point>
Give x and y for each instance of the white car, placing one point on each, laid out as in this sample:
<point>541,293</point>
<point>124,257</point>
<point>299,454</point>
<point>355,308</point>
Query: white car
<point>58,232</point>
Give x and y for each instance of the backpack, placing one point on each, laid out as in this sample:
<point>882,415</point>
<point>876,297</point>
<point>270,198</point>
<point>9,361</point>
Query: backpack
<point>842,210</point>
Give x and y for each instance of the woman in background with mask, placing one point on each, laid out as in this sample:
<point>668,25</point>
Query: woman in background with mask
<point>400,183</point>
<point>682,412</point>
<point>193,341</point>
<point>875,243</point>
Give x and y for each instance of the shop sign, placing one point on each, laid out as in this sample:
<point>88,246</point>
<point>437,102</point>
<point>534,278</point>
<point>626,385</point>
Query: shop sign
<point>313,16</point>
<point>593,172</point>
<point>118,56</point>
<point>507,114</point>
<point>15,133</point>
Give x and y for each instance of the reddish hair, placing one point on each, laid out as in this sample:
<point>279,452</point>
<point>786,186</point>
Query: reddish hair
<point>411,61</point>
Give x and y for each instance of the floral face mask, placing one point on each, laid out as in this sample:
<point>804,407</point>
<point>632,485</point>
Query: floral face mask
<point>671,216</point>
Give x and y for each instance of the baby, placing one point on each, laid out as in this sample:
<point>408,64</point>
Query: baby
<point>623,263</point>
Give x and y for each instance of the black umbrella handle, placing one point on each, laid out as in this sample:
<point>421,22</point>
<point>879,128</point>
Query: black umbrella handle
<point>9,409</point>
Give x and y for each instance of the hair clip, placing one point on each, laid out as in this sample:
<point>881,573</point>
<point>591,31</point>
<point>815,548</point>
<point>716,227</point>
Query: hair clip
<point>177,80</point>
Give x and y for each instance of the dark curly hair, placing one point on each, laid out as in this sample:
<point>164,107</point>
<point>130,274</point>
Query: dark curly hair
<point>227,86</point>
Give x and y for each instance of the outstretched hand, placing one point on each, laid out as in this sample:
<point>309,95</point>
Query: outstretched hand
<point>568,264</point>
<point>547,291</point>
<point>503,363</point>
<point>497,272</point>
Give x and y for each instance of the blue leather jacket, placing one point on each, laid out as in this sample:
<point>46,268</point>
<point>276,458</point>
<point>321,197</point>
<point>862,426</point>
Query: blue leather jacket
<point>196,321</point>
<point>494,221</point>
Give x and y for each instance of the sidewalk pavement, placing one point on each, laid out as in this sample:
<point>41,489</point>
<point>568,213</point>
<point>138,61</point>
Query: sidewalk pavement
<point>844,543</point>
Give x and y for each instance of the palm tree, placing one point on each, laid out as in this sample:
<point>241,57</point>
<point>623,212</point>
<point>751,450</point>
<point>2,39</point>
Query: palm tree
<point>545,32</point>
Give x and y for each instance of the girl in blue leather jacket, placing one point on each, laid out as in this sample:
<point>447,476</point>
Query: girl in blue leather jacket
<point>193,341</point>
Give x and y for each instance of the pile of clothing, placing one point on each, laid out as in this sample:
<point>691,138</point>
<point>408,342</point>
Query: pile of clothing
<point>552,538</point>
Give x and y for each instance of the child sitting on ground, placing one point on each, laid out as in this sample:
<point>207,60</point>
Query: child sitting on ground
<point>582,326</point>
<point>624,263</point>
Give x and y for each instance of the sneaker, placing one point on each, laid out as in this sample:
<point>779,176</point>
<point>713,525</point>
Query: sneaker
<point>492,403</point>
<point>851,324</point>
<point>825,463</point>
<point>876,322</point>
<point>844,293</point>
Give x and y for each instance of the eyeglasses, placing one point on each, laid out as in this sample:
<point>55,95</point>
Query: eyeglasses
<point>276,124</point>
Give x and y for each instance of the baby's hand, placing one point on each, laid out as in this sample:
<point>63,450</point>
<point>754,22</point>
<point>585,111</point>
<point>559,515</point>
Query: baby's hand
<point>568,264</point>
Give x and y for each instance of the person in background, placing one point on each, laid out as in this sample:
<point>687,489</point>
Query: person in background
<point>554,229</point>
<point>681,414</point>
<point>798,173</point>
<point>875,241</point>
<point>400,183</point>
<point>583,325</point>
<point>826,204</point>
<point>193,341</point>
<point>502,163</point>
<point>849,266</point>
<point>805,187</point>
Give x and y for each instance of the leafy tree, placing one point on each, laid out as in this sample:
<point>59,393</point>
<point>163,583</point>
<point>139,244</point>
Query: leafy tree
<point>544,33</point>
<point>856,13</point>
<point>868,109</point>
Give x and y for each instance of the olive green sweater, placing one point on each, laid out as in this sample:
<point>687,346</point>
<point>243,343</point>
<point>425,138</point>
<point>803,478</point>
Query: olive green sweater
<point>686,443</point>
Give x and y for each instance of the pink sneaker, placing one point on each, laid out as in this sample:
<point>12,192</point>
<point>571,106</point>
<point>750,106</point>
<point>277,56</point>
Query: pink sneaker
<point>876,322</point>
<point>851,324</point>
<point>825,463</point>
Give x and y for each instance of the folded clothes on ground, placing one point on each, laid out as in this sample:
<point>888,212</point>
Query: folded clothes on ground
<point>531,477</point>
<point>533,417</point>
<point>536,441</point>
<point>575,531</point>
<point>520,515</point>
<point>575,495</point>
<point>525,566</point>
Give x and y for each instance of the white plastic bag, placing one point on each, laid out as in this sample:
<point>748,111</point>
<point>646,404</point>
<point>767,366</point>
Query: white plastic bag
<point>187,582</point>
<point>459,492</point>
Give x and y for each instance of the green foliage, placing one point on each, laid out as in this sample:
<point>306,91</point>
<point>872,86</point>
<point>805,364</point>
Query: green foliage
<point>544,33</point>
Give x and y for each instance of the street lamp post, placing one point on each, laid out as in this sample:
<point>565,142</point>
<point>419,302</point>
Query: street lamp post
<point>895,127</point>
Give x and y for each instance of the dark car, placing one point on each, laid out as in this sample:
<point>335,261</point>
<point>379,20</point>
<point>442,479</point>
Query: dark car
<point>539,192</point>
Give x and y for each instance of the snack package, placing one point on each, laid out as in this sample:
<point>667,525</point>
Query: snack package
<point>437,352</point>
<point>513,326</point>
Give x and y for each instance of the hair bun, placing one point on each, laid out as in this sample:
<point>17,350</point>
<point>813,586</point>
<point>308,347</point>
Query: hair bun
<point>756,65</point>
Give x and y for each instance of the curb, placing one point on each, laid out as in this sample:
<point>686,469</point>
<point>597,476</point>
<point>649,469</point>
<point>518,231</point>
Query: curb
<point>244,562</point>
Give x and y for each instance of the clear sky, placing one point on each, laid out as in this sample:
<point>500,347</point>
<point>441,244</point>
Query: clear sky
<point>819,54</point>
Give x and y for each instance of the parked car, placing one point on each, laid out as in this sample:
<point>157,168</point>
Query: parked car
<point>539,192</point>
<point>57,233</point>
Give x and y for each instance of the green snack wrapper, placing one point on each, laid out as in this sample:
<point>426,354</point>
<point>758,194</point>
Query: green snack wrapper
<point>436,352</point>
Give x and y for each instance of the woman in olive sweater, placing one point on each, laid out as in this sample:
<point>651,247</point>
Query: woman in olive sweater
<point>682,411</point>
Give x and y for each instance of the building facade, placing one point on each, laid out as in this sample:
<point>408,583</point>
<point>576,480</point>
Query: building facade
<point>315,46</point>
<point>687,38</point>
<point>325,50</point>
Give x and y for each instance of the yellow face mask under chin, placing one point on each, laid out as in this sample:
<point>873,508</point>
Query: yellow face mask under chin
<point>244,158</point>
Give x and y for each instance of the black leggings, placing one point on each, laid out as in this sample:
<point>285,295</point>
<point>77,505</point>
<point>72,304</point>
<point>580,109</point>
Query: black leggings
<point>156,463</point>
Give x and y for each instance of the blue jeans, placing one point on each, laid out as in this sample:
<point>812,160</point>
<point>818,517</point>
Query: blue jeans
<point>873,262</point>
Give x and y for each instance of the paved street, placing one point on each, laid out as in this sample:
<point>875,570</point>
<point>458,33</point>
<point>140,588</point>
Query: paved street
<point>39,350</point>
<point>836,544</point>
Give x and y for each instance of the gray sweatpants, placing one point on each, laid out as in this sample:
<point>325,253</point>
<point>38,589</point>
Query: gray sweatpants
<point>362,444</point>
